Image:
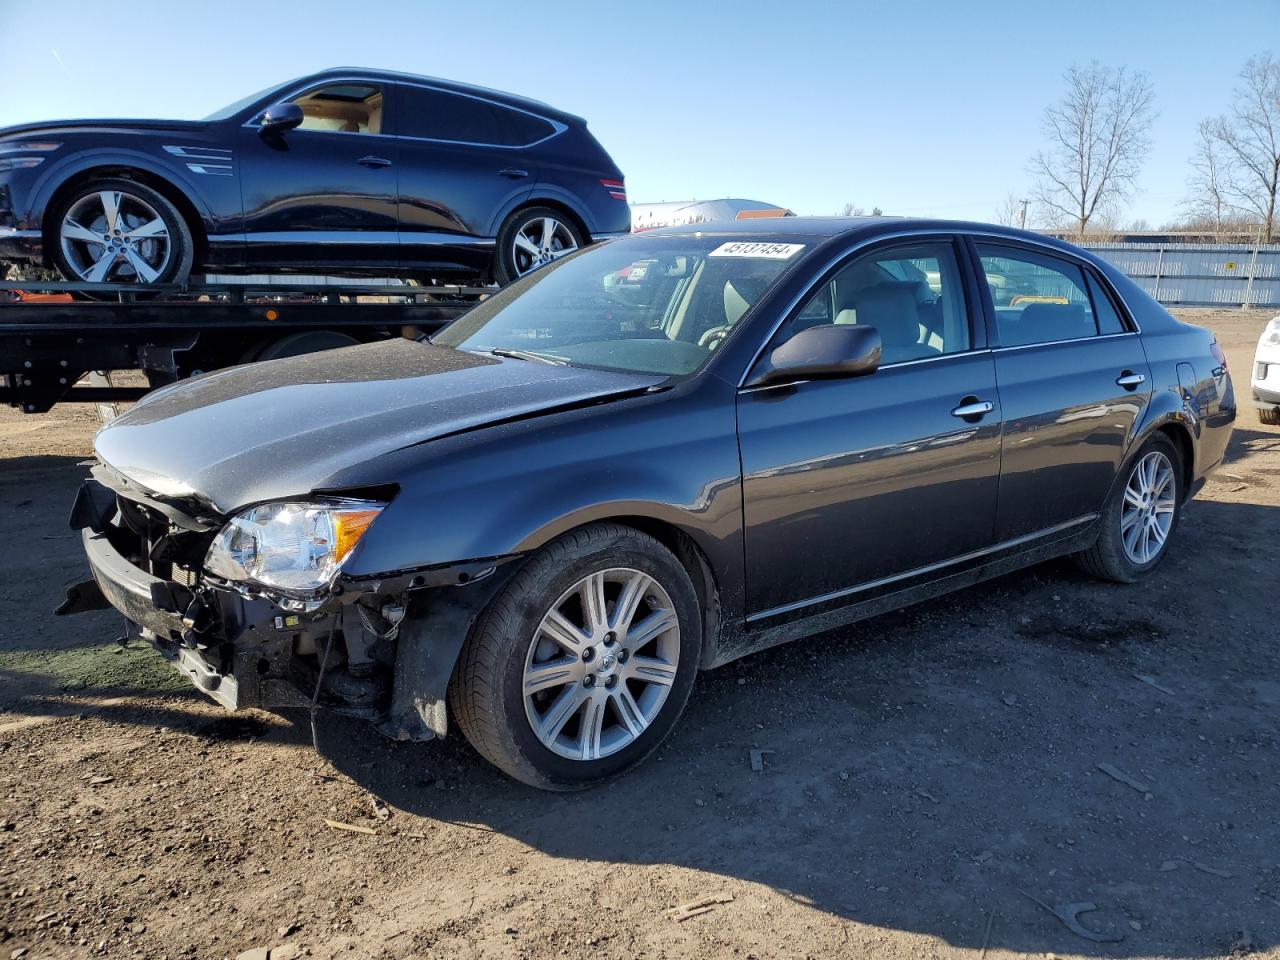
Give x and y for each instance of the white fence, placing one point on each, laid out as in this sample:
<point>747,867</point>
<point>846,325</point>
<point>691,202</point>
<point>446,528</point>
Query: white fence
<point>1193,274</point>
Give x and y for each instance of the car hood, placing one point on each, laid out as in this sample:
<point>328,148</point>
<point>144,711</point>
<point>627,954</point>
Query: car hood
<point>67,126</point>
<point>284,427</point>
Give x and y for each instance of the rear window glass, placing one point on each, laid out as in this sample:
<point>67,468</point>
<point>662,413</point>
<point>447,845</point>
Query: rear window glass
<point>437,115</point>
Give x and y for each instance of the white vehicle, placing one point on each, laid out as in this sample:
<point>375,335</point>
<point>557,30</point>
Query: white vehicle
<point>677,213</point>
<point>1265,379</point>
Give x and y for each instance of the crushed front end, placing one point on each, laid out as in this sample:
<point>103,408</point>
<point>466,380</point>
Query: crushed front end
<point>380,649</point>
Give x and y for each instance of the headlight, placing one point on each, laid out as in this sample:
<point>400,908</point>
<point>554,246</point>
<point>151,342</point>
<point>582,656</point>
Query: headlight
<point>293,547</point>
<point>1272,333</point>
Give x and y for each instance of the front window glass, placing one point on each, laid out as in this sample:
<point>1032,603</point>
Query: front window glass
<point>231,109</point>
<point>342,108</point>
<point>911,294</point>
<point>437,115</point>
<point>646,304</point>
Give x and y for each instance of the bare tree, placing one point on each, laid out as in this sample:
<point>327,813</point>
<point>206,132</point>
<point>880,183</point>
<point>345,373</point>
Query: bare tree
<point>852,210</point>
<point>1248,143</point>
<point>1207,189</point>
<point>1098,136</point>
<point>1011,211</point>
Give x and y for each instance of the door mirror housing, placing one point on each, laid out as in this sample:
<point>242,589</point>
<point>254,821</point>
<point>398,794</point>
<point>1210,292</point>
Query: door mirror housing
<point>825,352</point>
<point>280,117</point>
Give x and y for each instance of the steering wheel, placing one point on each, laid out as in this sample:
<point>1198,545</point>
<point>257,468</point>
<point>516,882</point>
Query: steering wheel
<point>714,336</point>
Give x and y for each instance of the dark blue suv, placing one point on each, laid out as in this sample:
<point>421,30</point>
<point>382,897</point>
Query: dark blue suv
<point>348,170</point>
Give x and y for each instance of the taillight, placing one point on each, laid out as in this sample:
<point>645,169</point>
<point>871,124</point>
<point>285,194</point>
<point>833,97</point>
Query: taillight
<point>1218,355</point>
<point>616,189</point>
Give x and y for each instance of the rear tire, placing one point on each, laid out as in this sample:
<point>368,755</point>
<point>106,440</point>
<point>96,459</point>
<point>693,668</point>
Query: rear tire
<point>531,238</point>
<point>1134,536</point>
<point>1270,416</point>
<point>558,703</point>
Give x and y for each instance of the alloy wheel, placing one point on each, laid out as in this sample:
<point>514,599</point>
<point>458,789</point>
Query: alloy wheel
<point>1150,499</point>
<point>113,236</point>
<point>601,664</point>
<point>539,242</point>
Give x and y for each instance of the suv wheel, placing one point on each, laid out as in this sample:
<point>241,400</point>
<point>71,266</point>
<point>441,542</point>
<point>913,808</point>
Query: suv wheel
<point>581,666</point>
<point>1140,518</point>
<point>532,238</point>
<point>121,231</point>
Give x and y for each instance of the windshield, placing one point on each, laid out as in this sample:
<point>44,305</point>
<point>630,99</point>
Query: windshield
<point>643,304</point>
<point>231,109</point>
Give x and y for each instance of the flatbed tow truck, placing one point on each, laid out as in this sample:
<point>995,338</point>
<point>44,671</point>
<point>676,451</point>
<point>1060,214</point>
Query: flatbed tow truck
<point>58,346</point>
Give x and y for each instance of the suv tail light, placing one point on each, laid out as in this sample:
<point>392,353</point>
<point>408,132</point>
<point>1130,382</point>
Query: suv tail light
<point>616,189</point>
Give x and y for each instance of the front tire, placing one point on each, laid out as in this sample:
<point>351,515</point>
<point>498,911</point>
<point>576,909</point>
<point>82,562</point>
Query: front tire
<point>1140,517</point>
<point>532,238</point>
<point>1269,415</point>
<point>581,665</point>
<point>121,231</point>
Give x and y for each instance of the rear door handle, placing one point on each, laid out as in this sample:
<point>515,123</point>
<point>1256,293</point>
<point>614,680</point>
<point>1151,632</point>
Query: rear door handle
<point>511,173</point>
<point>975,408</point>
<point>374,162</point>
<point>1130,380</point>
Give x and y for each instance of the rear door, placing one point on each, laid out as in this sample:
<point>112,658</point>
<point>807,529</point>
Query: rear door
<point>1073,379</point>
<point>464,161</point>
<point>848,483</point>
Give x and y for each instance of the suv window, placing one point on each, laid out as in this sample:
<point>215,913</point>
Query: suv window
<point>342,108</point>
<point>1037,298</point>
<point>437,115</point>
<point>912,294</point>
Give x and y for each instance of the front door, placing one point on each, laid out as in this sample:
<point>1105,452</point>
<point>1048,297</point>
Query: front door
<point>849,483</point>
<point>323,194</point>
<point>1073,379</point>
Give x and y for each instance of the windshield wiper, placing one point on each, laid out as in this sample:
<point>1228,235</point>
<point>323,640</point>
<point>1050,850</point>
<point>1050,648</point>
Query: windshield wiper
<point>526,355</point>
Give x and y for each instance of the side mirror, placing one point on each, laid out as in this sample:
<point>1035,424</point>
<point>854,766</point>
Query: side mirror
<point>280,117</point>
<point>825,352</point>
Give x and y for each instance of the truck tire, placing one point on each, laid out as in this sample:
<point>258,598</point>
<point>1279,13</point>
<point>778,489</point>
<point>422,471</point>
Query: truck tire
<point>307,341</point>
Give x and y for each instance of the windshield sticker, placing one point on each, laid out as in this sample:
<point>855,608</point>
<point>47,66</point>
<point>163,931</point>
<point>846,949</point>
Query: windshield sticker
<point>757,250</point>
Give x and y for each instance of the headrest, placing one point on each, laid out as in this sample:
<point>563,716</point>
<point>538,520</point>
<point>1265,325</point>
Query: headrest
<point>891,309</point>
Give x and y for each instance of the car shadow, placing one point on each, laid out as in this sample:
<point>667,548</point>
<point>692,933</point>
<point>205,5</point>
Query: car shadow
<point>931,770</point>
<point>928,769</point>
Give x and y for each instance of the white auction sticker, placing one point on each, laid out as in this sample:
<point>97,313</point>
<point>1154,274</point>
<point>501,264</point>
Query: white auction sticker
<point>757,250</point>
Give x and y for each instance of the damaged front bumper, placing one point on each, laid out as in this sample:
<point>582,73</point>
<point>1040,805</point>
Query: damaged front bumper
<point>388,645</point>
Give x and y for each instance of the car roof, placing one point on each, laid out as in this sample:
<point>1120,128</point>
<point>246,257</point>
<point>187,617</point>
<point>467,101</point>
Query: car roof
<point>827,228</point>
<point>454,86</point>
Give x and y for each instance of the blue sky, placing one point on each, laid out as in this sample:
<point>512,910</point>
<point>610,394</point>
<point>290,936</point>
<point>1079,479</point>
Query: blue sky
<point>917,107</point>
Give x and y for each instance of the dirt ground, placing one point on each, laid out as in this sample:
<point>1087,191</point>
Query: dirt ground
<point>935,777</point>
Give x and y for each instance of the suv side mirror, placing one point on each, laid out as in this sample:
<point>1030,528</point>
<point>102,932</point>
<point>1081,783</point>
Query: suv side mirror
<point>826,352</point>
<point>280,117</point>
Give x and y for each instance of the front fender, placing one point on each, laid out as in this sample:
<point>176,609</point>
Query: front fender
<point>215,216</point>
<point>657,460</point>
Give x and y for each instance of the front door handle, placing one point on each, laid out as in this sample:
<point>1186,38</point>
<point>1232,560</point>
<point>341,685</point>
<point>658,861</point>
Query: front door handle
<point>374,162</point>
<point>1130,380</point>
<point>511,173</point>
<point>973,407</point>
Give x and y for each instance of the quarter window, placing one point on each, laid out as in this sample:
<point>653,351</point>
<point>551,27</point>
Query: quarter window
<point>437,115</point>
<point>1103,308</point>
<point>342,108</point>
<point>910,294</point>
<point>1037,298</point>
